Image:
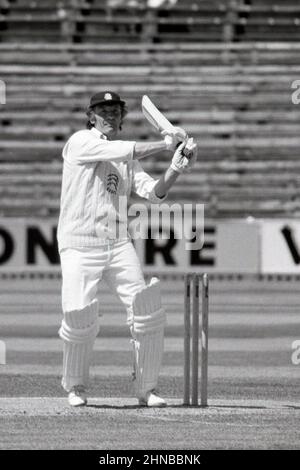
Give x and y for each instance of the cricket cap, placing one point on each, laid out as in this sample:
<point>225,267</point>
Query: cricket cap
<point>106,97</point>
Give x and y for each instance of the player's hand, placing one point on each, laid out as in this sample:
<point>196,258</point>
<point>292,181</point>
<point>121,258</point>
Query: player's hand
<point>191,152</point>
<point>185,156</point>
<point>174,137</point>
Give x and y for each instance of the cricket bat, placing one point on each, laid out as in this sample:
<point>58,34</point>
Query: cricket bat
<point>159,121</point>
<point>154,116</point>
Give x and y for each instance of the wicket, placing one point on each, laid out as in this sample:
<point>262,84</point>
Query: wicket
<point>191,309</point>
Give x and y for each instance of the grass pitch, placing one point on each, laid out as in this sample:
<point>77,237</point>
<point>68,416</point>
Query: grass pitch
<point>254,400</point>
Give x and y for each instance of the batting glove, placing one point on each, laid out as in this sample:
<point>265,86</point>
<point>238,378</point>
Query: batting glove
<point>173,137</point>
<point>185,156</point>
<point>191,152</point>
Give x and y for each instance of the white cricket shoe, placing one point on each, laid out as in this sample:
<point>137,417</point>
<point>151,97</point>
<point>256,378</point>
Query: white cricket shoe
<point>152,400</point>
<point>77,396</point>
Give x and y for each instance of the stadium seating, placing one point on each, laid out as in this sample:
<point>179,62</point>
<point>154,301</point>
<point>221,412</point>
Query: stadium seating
<point>266,20</point>
<point>94,21</point>
<point>84,21</point>
<point>235,97</point>
<point>23,20</point>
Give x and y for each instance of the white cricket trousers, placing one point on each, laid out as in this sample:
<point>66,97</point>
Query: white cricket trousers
<point>84,268</point>
<point>82,271</point>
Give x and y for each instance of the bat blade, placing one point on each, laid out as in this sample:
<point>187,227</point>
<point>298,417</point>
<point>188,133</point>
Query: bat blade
<point>154,116</point>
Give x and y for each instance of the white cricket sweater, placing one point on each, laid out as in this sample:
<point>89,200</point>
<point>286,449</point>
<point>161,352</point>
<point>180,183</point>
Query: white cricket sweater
<point>97,175</point>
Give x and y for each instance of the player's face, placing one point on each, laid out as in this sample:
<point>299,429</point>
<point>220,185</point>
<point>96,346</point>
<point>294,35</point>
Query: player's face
<point>108,119</point>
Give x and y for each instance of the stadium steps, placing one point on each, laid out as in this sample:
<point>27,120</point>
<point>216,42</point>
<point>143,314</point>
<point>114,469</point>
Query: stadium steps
<point>235,99</point>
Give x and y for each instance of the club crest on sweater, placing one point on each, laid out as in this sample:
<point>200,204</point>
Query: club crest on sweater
<point>112,183</point>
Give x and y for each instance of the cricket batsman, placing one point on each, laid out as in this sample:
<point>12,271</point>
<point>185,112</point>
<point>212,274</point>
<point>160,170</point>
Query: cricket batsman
<point>98,170</point>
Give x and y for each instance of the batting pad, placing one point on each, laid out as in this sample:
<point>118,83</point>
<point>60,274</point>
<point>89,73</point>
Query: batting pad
<point>147,329</point>
<point>78,330</point>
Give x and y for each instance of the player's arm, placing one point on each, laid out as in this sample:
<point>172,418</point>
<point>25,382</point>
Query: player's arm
<point>146,149</point>
<point>171,140</point>
<point>183,160</point>
<point>156,190</point>
<point>83,147</point>
<point>165,183</point>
